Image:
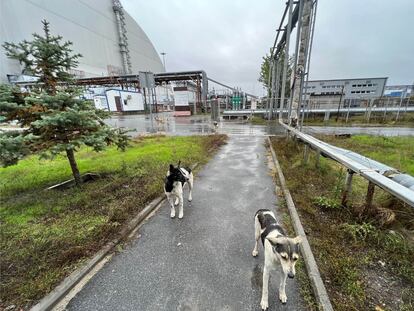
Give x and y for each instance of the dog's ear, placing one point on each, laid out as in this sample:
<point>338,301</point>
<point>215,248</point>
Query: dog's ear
<point>275,241</point>
<point>297,240</point>
<point>171,168</point>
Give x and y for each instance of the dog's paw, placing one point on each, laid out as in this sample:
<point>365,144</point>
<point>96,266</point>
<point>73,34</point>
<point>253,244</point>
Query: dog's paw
<point>283,297</point>
<point>172,214</point>
<point>190,199</point>
<point>264,304</point>
<point>255,253</point>
<point>180,215</point>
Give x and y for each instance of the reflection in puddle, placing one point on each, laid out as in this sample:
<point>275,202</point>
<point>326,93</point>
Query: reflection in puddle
<point>194,125</point>
<point>257,277</point>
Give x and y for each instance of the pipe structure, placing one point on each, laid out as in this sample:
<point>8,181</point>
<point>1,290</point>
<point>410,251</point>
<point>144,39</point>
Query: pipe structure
<point>286,61</point>
<point>398,190</point>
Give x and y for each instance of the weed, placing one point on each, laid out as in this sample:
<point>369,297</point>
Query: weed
<point>359,232</point>
<point>326,203</point>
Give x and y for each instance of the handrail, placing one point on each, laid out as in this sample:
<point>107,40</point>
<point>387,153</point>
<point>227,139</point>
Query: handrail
<point>397,190</point>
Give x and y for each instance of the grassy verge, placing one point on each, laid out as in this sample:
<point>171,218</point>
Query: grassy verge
<point>46,234</point>
<point>365,261</point>
<point>397,152</point>
<point>377,119</point>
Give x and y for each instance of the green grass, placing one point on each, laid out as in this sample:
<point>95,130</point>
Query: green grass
<point>348,244</point>
<point>397,152</point>
<point>46,234</point>
<point>377,119</point>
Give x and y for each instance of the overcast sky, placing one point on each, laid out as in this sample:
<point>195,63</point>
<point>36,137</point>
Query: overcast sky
<point>227,39</point>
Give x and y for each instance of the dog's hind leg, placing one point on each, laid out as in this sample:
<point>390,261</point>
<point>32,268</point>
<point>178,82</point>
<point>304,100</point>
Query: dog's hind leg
<point>190,187</point>
<point>282,292</point>
<point>255,251</point>
<point>170,199</point>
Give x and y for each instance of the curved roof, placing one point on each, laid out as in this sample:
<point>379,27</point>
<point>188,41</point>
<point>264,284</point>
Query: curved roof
<point>89,24</point>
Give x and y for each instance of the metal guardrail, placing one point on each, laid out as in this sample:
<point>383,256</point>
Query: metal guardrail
<point>321,110</point>
<point>401,192</point>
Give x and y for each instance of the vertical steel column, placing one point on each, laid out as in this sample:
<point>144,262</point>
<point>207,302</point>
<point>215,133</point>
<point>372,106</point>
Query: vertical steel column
<point>399,106</point>
<point>277,87</point>
<point>286,61</point>
<point>295,62</point>
<point>269,85</point>
<point>312,23</point>
<point>318,158</point>
<point>348,187</point>
<point>302,58</point>
<point>370,196</point>
<point>273,97</point>
<point>204,90</point>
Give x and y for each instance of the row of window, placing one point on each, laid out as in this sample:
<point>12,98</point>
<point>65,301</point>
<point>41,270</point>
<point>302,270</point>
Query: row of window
<point>330,93</point>
<point>362,92</point>
<point>330,86</point>
<point>364,85</point>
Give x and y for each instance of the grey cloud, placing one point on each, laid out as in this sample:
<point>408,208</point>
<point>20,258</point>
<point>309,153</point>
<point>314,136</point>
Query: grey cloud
<point>353,38</point>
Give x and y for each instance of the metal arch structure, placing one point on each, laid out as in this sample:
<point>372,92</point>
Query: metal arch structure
<point>300,14</point>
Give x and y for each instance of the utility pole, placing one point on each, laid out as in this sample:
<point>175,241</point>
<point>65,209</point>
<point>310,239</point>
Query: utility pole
<point>286,61</point>
<point>302,57</point>
<point>339,104</point>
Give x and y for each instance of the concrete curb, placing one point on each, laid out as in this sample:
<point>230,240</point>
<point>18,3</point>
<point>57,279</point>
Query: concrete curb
<point>318,287</point>
<point>60,291</point>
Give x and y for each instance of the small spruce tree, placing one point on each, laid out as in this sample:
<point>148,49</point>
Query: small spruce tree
<point>55,119</point>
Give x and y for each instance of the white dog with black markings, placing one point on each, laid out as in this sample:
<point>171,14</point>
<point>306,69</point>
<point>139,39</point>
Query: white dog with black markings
<point>177,178</point>
<point>278,250</point>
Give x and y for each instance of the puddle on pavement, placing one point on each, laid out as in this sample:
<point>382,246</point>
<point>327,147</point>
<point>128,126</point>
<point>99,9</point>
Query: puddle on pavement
<point>166,123</point>
<point>257,277</point>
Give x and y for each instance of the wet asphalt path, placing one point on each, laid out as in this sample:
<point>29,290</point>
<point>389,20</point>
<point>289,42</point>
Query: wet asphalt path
<point>204,261</point>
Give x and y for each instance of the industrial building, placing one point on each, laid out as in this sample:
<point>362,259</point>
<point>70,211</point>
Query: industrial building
<point>404,91</point>
<point>327,93</point>
<point>110,41</point>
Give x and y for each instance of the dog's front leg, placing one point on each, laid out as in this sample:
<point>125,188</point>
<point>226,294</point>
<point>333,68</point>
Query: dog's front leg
<point>179,194</point>
<point>265,294</point>
<point>282,291</point>
<point>170,199</point>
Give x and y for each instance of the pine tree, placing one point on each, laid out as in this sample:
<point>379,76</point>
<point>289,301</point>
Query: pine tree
<point>54,117</point>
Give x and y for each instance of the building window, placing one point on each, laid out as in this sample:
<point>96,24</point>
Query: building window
<point>353,85</point>
<point>369,84</point>
<point>352,92</point>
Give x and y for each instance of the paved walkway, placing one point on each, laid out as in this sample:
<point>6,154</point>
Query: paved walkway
<point>204,261</point>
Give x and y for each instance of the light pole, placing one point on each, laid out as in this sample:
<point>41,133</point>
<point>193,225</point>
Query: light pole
<point>163,59</point>
<point>165,86</point>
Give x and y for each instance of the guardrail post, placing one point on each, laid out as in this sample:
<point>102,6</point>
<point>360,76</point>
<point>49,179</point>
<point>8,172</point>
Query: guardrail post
<point>348,187</point>
<point>370,196</point>
<point>318,156</point>
<point>306,154</point>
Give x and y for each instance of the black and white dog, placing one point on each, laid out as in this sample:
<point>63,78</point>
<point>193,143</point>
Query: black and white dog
<point>278,249</point>
<point>177,178</point>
